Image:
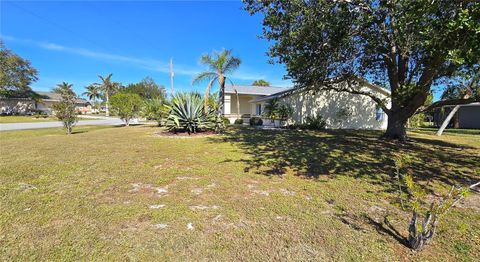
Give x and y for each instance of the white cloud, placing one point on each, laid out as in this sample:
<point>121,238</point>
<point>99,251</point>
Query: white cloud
<point>144,63</point>
<point>241,74</point>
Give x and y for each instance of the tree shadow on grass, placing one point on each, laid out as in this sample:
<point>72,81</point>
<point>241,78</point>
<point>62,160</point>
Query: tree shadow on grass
<point>360,154</point>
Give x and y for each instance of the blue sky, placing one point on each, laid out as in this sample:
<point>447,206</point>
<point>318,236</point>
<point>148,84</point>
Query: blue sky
<point>76,41</point>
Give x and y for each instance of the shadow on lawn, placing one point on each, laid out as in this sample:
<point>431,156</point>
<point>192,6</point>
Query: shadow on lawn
<point>361,154</point>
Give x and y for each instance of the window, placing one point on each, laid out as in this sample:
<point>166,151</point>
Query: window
<point>379,114</point>
<point>258,110</point>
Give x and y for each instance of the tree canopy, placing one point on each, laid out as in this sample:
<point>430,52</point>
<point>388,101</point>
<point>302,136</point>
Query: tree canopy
<point>16,73</point>
<point>260,82</point>
<point>147,89</point>
<point>408,47</point>
<point>126,106</point>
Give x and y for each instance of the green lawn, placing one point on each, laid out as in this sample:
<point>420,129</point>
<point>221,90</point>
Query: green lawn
<point>24,119</point>
<point>28,119</point>
<point>452,131</point>
<point>121,193</point>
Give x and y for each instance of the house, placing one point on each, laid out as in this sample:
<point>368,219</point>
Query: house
<point>27,105</point>
<point>50,98</point>
<point>245,94</point>
<point>340,110</point>
<point>467,116</point>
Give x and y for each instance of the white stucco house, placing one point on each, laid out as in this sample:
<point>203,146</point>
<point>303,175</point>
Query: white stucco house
<point>340,110</point>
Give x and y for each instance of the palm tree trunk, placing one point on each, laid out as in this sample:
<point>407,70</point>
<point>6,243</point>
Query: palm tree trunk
<point>207,93</point>
<point>447,120</point>
<point>221,96</point>
<point>107,113</point>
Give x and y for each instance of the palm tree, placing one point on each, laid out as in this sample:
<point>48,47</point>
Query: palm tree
<point>93,93</point>
<point>107,87</point>
<point>271,110</point>
<point>64,89</point>
<point>220,64</point>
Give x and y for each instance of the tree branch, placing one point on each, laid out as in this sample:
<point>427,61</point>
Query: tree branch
<point>451,102</point>
<point>338,88</point>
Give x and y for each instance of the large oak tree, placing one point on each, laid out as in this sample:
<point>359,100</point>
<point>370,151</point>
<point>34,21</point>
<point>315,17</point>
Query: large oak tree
<point>16,74</point>
<point>409,47</point>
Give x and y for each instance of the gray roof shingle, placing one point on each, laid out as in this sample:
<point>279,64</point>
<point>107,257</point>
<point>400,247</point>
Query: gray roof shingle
<point>253,90</point>
<point>51,96</point>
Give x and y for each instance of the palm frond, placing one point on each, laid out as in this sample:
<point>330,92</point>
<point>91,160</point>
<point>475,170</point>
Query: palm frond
<point>204,76</point>
<point>231,64</point>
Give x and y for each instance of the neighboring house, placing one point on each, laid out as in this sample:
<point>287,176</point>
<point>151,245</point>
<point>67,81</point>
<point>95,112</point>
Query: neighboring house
<point>49,98</point>
<point>45,104</point>
<point>339,109</point>
<point>467,116</point>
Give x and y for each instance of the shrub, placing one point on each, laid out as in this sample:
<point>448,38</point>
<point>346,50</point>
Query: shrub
<point>285,112</point>
<point>126,106</point>
<point>154,109</point>
<point>314,123</point>
<point>416,120</point>
<point>186,112</point>
<point>256,121</point>
<point>271,110</point>
<point>225,121</point>
<point>425,216</point>
<point>238,121</point>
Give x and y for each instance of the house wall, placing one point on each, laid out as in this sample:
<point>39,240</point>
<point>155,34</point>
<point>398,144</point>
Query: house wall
<point>245,105</point>
<point>17,106</point>
<point>45,106</point>
<point>469,117</point>
<point>339,109</point>
<point>246,108</point>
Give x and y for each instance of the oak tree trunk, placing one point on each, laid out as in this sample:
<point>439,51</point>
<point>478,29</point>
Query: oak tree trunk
<point>396,128</point>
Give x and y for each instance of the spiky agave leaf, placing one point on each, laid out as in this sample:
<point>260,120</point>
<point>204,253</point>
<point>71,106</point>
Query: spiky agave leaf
<point>186,112</point>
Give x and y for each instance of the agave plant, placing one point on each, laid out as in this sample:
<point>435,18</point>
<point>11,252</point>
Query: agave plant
<point>186,112</point>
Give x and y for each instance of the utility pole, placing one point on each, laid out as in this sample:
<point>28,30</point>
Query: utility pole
<point>171,78</point>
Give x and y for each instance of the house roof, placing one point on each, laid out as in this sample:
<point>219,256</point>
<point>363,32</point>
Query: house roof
<point>289,90</point>
<point>55,97</point>
<point>253,90</point>
<point>465,105</point>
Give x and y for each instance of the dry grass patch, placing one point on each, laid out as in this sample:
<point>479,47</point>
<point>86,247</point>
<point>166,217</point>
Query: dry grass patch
<point>122,194</point>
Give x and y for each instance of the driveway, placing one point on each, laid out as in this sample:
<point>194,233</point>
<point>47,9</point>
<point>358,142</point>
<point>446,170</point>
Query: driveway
<point>21,126</point>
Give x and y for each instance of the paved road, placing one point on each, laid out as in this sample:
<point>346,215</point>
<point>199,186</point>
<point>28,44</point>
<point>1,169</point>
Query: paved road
<point>22,126</point>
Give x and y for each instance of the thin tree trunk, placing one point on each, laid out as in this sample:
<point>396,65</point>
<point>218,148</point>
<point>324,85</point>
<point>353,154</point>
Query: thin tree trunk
<point>106,105</point>
<point>447,120</point>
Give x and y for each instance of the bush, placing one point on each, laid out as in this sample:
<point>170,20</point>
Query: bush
<point>426,214</point>
<point>314,123</point>
<point>225,121</point>
<point>416,120</point>
<point>126,106</point>
<point>154,109</point>
<point>238,121</point>
<point>256,121</point>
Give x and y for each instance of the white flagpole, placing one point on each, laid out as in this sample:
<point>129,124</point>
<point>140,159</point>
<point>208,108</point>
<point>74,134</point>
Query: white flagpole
<point>171,77</point>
